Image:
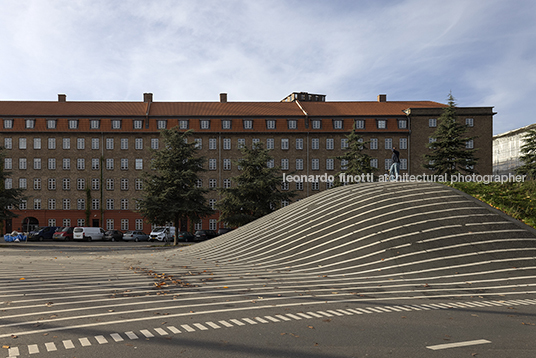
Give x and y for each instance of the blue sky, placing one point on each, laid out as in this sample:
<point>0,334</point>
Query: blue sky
<point>484,51</point>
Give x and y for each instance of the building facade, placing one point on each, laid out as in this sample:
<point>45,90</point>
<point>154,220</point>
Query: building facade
<point>507,150</point>
<point>79,158</point>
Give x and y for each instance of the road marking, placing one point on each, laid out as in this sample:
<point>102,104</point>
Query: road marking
<point>282,317</point>
<point>51,347</point>
<point>363,310</point>
<point>250,321</point>
<point>84,342</point>
<point>316,315</point>
<point>237,322</point>
<point>225,323</point>
<point>293,316</point>
<point>334,312</point>
<point>272,319</point>
<point>324,313</point>
<point>383,309</point>
<point>174,329</point>
<point>146,333</point>
<point>458,344</point>
<point>187,328</point>
<point>374,310</point>
<point>13,352</point>
<point>212,324</point>
<point>354,311</point>
<point>402,308</point>
<point>261,320</point>
<point>117,337</point>
<point>301,314</point>
<point>160,331</point>
<point>101,339</point>
<point>131,335</point>
<point>33,349</point>
<point>200,326</point>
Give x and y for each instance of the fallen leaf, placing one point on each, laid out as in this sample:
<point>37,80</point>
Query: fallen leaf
<point>6,347</point>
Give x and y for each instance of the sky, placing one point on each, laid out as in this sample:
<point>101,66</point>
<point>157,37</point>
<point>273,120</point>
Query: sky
<point>481,51</point>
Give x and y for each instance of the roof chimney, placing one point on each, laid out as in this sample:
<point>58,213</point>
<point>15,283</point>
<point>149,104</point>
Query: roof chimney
<point>62,97</point>
<point>382,98</point>
<point>147,97</point>
<point>223,97</point>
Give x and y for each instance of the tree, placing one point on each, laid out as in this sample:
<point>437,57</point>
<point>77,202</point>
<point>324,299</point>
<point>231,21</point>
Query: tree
<point>357,161</point>
<point>257,190</point>
<point>9,198</point>
<point>528,157</point>
<point>171,192</point>
<point>449,153</point>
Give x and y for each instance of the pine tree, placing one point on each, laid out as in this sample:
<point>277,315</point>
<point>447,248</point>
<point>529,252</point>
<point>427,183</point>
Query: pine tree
<point>448,153</point>
<point>9,198</point>
<point>257,191</point>
<point>171,192</point>
<point>528,157</point>
<point>356,159</point>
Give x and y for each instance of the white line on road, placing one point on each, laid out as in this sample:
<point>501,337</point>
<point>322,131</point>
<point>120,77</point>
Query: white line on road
<point>117,337</point>
<point>33,349</point>
<point>458,344</point>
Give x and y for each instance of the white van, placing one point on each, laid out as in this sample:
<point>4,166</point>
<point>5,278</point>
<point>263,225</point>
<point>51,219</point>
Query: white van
<point>88,233</point>
<point>162,234</point>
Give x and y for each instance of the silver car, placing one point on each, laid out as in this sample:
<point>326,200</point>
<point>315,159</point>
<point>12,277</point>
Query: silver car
<point>133,235</point>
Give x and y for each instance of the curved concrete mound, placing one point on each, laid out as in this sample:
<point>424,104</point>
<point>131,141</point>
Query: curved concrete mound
<point>426,232</point>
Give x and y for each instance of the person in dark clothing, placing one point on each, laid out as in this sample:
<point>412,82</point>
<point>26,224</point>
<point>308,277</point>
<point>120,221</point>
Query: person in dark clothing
<point>395,167</point>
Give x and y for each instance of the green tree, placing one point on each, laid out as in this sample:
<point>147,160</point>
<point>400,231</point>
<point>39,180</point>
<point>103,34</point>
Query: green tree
<point>449,154</point>
<point>257,190</point>
<point>170,192</point>
<point>357,160</point>
<point>528,155</point>
<point>8,197</point>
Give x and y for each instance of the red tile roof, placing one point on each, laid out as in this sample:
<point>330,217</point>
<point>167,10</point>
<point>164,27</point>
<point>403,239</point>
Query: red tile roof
<point>76,109</point>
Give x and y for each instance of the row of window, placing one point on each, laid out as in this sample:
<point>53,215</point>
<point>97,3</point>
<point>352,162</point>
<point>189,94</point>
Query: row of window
<point>52,184</point>
<point>226,124</point>
<point>80,163</point>
<point>80,143</point>
<point>315,164</point>
<point>469,122</point>
<point>66,204</point>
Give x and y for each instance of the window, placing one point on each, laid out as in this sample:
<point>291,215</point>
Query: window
<point>212,164</point>
<point>22,143</point>
<point>66,204</point>
<point>51,163</point>
<point>37,204</point>
<point>198,225</point>
<point>315,164</point>
<point>315,185</point>
<point>138,184</point>
<point>469,122</point>
<point>52,204</point>
<point>285,185</point>
<point>94,124</point>
<point>284,143</point>
<point>388,143</point>
<point>95,184</point>
<point>8,143</point>
<point>80,204</point>
<point>124,143</point>
<point>124,184</point>
<point>270,163</point>
<point>8,123</point>
<point>299,185</point>
<point>316,124</point>
<point>51,184</point>
<point>469,144</point>
<point>95,204</point>
<point>403,164</point>
<point>37,143</point>
<point>374,163</point>
<point>81,164</point>
<point>110,164</point>
<point>359,124</point>
<point>402,124</point>
<point>139,224</point>
<point>51,124</point>
<point>199,183</point>
<point>8,183</point>
<point>23,164</point>
<point>110,184</point>
<point>226,143</point>
<point>373,143</point>
<point>226,183</point>
<point>292,124</point>
<point>330,164</point>
<point>330,143</point>
<point>270,143</point>
<point>73,124</point>
<point>95,164</point>
<point>30,123</point>
<point>138,124</point>
<point>432,122</point>
<point>80,143</point>
<point>138,143</point>
<point>183,124</point>
<point>226,124</point>
<point>109,224</point>
<point>403,143</point>
<point>37,163</point>
<point>337,124</point>
<point>23,183</point>
<point>51,143</point>
<point>95,143</point>
<point>124,164</point>
<point>344,143</point>
<point>284,164</point>
<point>212,203</point>
<point>227,164</point>
<point>66,143</point>
<point>37,184</point>
<point>241,143</point>
<point>154,143</point>
<point>66,184</point>
<point>109,143</point>
<point>139,163</point>
<point>270,124</point>
<point>116,124</point>
<point>212,144</point>
<point>198,143</point>
<point>212,183</point>
<point>124,204</point>
<point>388,163</point>
<point>381,123</point>
<point>299,164</point>
<point>8,163</point>
<point>204,123</point>
<point>299,143</point>
<point>80,184</point>
<point>80,222</point>
<point>109,204</point>
<point>344,164</point>
<point>255,142</point>
<point>315,143</point>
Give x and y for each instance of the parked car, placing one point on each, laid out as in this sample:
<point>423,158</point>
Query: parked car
<point>135,236</point>
<point>223,230</point>
<point>43,233</point>
<point>113,235</point>
<point>88,233</point>
<point>162,234</point>
<point>201,235</point>
<point>185,236</point>
<point>64,234</point>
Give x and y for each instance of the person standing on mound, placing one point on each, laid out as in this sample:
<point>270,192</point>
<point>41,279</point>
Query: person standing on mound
<point>395,167</point>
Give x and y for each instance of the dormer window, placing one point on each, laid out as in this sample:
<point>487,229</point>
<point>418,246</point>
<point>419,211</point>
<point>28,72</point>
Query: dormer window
<point>248,124</point>
<point>226,124</point>
<point>30,123</point>
<point>381,123</point>
<point>205,124</point>
<point>292,124</point>
<point>51,124</point>
<point>161,124</point>
<point>73,123</point>
<point>94,124</point>
<point>270,124</point>
<point>337,124</point>
<point>316,124</point>
<point>116,124</point>
<point>183,124</point>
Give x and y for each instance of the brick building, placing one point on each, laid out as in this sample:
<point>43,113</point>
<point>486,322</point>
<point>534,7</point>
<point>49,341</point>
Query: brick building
<point>55,149</point>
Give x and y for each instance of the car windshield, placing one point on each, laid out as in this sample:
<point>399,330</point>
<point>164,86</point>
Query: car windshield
<point>160,229</point>
<point>129,232</point>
